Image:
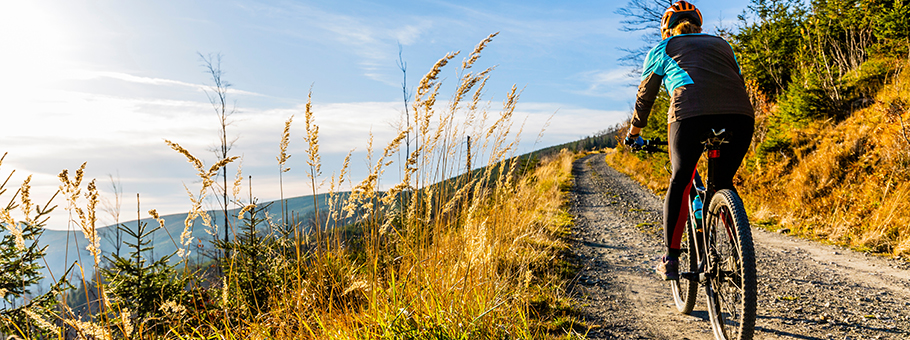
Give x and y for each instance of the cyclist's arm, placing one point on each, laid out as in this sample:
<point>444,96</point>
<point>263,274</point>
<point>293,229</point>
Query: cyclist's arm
<point>647,93</point>
<point>651,79</point>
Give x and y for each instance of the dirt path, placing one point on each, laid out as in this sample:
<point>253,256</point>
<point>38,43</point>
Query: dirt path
<point>806,290</point>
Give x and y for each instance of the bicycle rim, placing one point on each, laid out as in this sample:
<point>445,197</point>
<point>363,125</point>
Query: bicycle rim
<point>731,290</point>
<point>684,291</point>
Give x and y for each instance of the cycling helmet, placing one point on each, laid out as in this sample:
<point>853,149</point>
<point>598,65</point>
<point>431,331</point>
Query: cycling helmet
<point>678,11</point>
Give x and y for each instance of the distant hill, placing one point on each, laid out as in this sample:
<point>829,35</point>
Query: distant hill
<point>66,247</point>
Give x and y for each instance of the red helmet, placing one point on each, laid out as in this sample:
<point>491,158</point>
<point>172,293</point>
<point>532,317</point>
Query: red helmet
<point>678,11</point>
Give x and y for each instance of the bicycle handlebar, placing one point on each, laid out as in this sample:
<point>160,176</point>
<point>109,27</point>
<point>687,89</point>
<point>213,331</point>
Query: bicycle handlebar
<point>650,146</point>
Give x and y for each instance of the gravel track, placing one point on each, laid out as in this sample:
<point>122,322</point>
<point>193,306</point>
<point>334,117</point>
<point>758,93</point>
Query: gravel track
<point>806,290</point>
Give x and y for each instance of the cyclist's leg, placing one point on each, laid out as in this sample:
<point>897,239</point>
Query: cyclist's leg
<point>685,149</point>
<point>731,154</point>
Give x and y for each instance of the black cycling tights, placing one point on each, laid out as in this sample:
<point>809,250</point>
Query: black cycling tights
<point>685,137</point>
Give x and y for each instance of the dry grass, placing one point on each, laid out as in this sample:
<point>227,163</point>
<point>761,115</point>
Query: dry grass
<point>648,169</point>
<point>449,252</point>
<point>441,254</point>
<point>847,182</point>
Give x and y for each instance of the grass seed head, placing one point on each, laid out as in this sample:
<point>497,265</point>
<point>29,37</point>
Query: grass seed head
<point>126,320</point>
<point>468,62</point>
<point>26,205</point>
<point>89,329</point>
<point>197,164</point>
<point>245,209</point>
<point>238,181</point>
<point>13,227</point>
<point>39,320</point>
<point>283,145</point>
<point>154,214</point>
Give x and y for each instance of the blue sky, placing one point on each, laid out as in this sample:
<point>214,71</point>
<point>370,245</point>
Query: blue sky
<point>105,82</point>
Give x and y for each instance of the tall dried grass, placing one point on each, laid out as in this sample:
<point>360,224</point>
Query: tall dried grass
<point>847,181</point>
<point>444,253</point>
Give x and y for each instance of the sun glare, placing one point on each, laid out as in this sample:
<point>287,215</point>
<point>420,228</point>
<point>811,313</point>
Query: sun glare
<point>35,47</point>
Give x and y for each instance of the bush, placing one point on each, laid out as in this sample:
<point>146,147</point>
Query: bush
<point>860,85</point>
<point>805,100</point>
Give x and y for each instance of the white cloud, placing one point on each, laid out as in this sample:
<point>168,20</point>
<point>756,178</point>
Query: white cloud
<point>372,38</point>
<point>120,135</point>
<point>86,75</point>
<point>569,123</point>
<point>615,84</point>
<point>409,34</point>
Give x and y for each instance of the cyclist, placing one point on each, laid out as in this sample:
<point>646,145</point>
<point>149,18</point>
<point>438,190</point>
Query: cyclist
<point>707,91</point>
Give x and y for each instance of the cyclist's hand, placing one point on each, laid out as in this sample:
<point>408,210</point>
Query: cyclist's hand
<point>636,142</point>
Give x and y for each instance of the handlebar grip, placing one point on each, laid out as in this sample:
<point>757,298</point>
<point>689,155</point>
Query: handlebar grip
<point>650,145</point>
<point>655,141</point>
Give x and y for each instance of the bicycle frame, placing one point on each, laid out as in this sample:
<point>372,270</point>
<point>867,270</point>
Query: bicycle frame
<point>707,262</point>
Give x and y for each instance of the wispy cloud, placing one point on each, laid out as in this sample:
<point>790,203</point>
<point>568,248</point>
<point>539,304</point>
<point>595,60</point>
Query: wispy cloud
<point>372,38</point>
<point>616,84</point>
<point>86,75</point>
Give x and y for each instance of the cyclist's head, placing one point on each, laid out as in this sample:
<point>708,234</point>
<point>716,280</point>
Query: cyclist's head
<point>680,18</point>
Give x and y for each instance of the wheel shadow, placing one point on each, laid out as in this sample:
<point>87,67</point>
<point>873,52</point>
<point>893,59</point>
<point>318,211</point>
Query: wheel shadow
<point>703,314</point>
<point>805,321</point>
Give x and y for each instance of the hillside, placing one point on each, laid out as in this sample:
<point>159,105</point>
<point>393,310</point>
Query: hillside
<point>65,248</point>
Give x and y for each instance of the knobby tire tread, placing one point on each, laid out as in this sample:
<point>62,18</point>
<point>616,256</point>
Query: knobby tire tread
<point>729,199</point>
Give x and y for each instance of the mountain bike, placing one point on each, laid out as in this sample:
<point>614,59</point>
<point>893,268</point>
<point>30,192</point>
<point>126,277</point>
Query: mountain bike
<point>717,251</point>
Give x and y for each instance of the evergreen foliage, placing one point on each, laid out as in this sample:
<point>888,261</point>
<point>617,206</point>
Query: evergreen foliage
<point>254,264</point>
<point>142,286</point>
<point>767,41</point>
<point>19,266</point>
<point>20,255</point>
<point>821,62</point>
<point>893,28</point>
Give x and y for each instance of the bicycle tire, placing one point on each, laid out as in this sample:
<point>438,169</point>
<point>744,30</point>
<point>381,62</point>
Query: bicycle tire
<point>732,290</point>
<point>685,291</point>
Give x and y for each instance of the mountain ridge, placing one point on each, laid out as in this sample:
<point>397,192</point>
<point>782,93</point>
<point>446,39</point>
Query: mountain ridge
<point>68,247</point>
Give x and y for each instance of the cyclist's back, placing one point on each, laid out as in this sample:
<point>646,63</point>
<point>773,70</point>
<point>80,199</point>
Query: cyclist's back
<point>701,75</point>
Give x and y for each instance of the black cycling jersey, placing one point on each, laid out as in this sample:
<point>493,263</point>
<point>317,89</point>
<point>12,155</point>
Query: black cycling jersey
<point>701,74</point>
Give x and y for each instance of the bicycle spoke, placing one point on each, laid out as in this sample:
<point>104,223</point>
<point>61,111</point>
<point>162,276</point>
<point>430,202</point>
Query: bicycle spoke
<point>728,281</point>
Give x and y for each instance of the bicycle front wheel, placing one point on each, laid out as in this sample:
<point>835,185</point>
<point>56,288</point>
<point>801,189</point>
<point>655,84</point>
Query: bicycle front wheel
<point>731,286</point>
<point>684,291</point>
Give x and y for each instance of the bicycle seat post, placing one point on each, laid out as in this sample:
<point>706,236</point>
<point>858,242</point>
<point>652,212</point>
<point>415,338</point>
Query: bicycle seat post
<point>712,144</point>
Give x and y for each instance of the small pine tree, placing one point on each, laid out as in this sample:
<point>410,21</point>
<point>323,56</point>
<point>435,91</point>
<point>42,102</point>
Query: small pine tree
<point>249,271</point>
<point>142,285</point>
<point>20,255</point>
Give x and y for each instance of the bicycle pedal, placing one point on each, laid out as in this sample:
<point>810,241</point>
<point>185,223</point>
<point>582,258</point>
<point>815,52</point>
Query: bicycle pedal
<point>691,276</point>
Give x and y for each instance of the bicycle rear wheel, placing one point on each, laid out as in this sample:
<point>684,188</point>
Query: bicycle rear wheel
<point>731,288</point>
<point>684,291</point>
